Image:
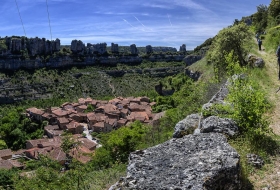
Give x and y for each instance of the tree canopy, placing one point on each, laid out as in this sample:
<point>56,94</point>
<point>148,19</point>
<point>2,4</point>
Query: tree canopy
<point>236,38</point>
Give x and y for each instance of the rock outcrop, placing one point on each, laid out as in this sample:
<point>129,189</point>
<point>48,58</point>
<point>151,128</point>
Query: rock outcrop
<point>149,49</point>
<point>33,46</point>
<point>164,49</point>
<point>77,46</point>
<point>204,161</point>
<point>186,126</point>
<point>192,74</point>
<point>133,49</point>
<point>255,61</point>
<point>183,48</point>
<point>114,48</point>
<point>190,59</point>
<point>219,125</point>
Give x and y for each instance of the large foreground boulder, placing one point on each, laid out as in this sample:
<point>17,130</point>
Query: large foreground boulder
<point>196,162</point>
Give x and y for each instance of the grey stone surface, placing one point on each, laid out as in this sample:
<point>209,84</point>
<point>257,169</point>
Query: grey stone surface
<point>220,96</point>
<point>255,160</point>
<point>219,125</point>
<point>114,48</point>
<point>183,48</point>
<point>164,49</point>
<point>193,75</point>
<point>195,162</point>
<point>190,59</point>
<point>133,49</point>
<point>149,49</point>
<point>255,61</point>
<point>186,126</point>
<point>77,46</point>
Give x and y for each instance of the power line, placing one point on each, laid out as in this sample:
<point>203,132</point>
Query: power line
<point>49,18</point>
<point>20,18</point>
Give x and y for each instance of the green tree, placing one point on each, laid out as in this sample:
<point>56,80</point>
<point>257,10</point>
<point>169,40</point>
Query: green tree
<point>237,39</point>
<point>260,18</point>
<point>124,140</point>
<point>274,8</point>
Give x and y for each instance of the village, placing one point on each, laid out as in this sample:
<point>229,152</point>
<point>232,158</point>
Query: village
<point>79,119</point>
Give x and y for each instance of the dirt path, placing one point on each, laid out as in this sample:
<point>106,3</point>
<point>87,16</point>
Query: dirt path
<point>268,178</point>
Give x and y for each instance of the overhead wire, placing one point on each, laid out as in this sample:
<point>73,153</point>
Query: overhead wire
<point>20,19</point>
<point>49,18</point>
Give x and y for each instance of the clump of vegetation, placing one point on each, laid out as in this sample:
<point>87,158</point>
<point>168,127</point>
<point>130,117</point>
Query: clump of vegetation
<point>236,38</point>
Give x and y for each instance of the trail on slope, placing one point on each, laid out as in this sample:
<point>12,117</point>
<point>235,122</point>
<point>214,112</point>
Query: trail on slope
<point>273,90</point>
<point>269,178</point>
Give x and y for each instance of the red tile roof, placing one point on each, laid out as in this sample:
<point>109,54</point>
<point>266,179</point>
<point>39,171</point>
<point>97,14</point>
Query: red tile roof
<point>81,101</point>
<point>99,124</point>
<point>141,116</point>
<point>16,164</point>
<point>88,100</point>
<point>51,127</point>
<point>63,120</point>
<point>87,143</point>
<point>35,111</point>
<point>57,154</point>
<point>61,113</point>
<point>5,164</point>
<point>136,107</point>
<point>5,152</point>
<point>111,121</point>
<point>82,107</point>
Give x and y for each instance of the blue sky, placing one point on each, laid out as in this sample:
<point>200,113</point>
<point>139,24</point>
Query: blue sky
<point>141,22</point>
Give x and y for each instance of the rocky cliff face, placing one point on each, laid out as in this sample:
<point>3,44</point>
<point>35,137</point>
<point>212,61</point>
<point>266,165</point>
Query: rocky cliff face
<point>33,53</point>
<point>33,46</point>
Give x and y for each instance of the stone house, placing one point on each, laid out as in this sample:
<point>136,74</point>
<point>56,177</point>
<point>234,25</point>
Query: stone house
<point>110,124</point>
<point>61,113</point>
<point>99,127</point>
<point>57,154</point>
<point>62,122</point>
<point>133,107</point>
<point>34,143</point>
<point>52,130</point>
<point>141,116</point>
<point>81,101</point>
<point>35,114</point>
<point>93,118</point>
<point>76,117</point>
<point>81,108</point>
<point>51,118</point>
<point>83,117</point>
<point>87,143</point>
<point>88,101</point>
<point>121,122</point>
<point>75,128</point>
